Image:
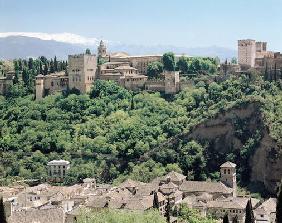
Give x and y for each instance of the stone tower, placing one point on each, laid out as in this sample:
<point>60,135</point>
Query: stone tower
<point>82,71</point>
<point>228,176</point>
<point>39,87</point>
<point>171,82</point>
<point>102,49</point>
<point>247,52</point>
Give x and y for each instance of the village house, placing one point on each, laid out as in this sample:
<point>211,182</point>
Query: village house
<point>209,198</point>
<point>57,170</point>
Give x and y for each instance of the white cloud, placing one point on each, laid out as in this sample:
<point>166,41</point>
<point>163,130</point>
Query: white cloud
<point>60,37</point>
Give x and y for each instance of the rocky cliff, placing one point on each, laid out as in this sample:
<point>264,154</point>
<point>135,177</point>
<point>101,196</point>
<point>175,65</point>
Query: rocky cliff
<point>229,131</point>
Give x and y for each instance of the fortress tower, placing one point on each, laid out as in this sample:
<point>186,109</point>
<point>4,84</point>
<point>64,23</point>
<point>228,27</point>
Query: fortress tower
<point>228,176</point>
<point>39,87</point>
<point>102,49</point>
<point>247,52</point>
<point>82,71</point>
<point>171,82</point>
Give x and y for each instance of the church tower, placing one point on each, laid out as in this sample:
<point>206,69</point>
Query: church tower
<point>102,50</point>
<point>228,176</point>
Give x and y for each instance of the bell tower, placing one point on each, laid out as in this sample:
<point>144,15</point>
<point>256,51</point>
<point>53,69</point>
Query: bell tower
<point>102,49</point>
<point>228,176</point>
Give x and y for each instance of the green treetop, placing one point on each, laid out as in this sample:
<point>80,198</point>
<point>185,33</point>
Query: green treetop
<point>169,61</point>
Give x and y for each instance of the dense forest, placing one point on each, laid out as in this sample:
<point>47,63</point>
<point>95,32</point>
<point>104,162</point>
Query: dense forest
<point>109,132</point>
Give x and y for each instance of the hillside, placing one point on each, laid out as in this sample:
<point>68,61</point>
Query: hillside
<point>237,132</point>
<point>113,134</point>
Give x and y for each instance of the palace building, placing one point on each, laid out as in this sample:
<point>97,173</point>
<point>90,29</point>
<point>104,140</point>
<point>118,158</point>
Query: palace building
<point>127,71</point>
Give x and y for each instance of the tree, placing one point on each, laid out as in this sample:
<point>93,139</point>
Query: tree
<point>52,68</point>
<point>186,214</point>
<point>279,206</point>
<point>168,210</point>
<point>234,60</point>
<point>55,64</point>
<point>87,51</point>
<point>2,212</point>
<point>154,69</point>
<point>156,200</point>
<point>225,218</point>
<point>169,61</point>
<point>25,77</point>
<point>45,71</point>
<point>183,64</point>
<point>30,63</point>
<point>192,160</point>
<point>40,68</point>
<point>249,218</point>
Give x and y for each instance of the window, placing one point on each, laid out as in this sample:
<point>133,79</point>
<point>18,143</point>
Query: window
<point>228,171</point>
<point>224,171</point>
<point>52,84</point>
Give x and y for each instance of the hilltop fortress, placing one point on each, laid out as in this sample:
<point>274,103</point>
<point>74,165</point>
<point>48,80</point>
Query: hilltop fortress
<point>127,71</point>
<point>252,54</point>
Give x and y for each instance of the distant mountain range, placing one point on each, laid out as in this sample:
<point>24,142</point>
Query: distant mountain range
<point>23,47</point>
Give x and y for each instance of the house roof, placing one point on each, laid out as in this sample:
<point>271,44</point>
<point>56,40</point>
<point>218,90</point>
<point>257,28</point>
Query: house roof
<point>119,54</point>
<point>141,203</point>
<point>96,202</point>
<point>58,162</point>
<point>174,176</point>
<point>232,203</point>
<point>168,185</point>
<point>228,164</point>
<point>130,184</point>
<point>51,215</point>
<point>204,186</point>
<point>125,67</point>
<point>269,205</point>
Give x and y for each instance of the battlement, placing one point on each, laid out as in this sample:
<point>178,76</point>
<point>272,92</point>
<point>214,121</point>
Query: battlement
<point>246,42</point>
<point>261,46</point>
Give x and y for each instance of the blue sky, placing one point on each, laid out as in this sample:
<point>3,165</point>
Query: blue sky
<point>190,23</point>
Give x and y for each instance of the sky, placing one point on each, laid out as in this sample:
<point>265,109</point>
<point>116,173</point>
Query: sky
<point>188,23</point>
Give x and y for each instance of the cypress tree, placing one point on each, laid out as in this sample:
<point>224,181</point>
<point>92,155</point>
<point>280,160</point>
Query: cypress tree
<point>2,212</point>
<point>40,68</point>
<point>249,213</point>
<point>25,77</point>
<point>275,72</point>
<point>45,71</point>
<point>266,72</point>
<point>52,68</point>
<point>156,200</point>
<point>279,206</point>
<point>87,51</point>
<point>168,209</point>
<point>55,64</point>
<point>225,218</point>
